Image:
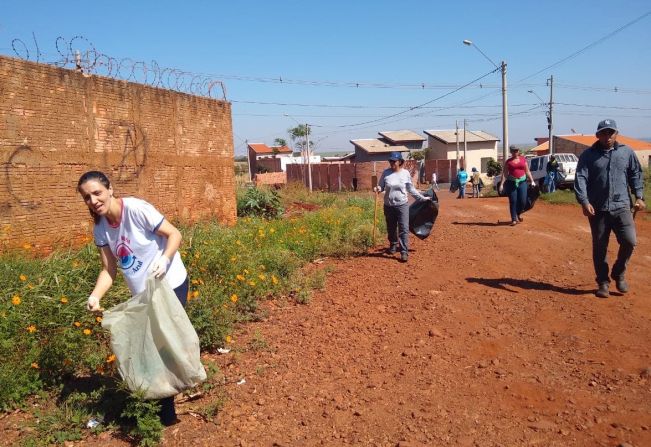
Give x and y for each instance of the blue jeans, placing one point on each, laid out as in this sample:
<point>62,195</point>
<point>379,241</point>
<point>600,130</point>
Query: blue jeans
<point>601,224</point>
<point>462,190</point>
<point>517,198</point>
<point>167,410</point>
<point>551,182</point>
<point>397,218</point>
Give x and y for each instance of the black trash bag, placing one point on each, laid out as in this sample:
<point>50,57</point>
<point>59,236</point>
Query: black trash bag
<point>454,185</point>
<point>533,192</point>
<point>423,214</point>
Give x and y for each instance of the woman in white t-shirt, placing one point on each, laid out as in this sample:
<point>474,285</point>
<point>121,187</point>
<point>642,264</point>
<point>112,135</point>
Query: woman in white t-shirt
<point>134,236</point>
<point>396,183</point>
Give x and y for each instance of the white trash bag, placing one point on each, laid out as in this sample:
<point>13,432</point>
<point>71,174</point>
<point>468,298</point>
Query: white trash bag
<point>155,345</point>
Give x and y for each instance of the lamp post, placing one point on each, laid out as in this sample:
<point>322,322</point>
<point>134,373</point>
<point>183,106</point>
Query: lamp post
<point>307,150</point>
<point>505,115</point>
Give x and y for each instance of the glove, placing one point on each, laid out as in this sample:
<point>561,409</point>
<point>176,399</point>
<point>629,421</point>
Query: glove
<point>377,189</point>
<point>93,304</point>
<point>159,266</point>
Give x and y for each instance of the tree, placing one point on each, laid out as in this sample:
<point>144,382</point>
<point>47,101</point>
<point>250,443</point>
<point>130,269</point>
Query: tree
<point>278,143</point>
<point>493,168</point>
<point>297,135</point>
<point>417,155</point>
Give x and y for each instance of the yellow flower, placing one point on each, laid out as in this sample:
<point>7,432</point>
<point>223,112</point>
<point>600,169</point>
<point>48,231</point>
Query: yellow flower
<point>246,271</point>
<point>110,358</point>
<point>15,300</point>
<point>262,276</point>
<point>233,258</point>
<point>197,255</point>
<point>272,230</point>
<point>35,365</point>
<point>77,324</point>
<point>195,294</point>
<point>195,282</point>
<point>274,279</point>
<point>237,242</point>
<point>240,277</point>
<point>64,300</point>
<point>234,298</point>
<point>87,331</point>
<point>31,328</point>
<point>252,283</point>
<point>229,339</point>
<point>23,277</point>
<point>98,319</point>
<point>30,286</point>
<point>75,263</point>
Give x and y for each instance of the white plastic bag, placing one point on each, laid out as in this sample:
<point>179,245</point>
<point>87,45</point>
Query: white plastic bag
<point>155,345</point>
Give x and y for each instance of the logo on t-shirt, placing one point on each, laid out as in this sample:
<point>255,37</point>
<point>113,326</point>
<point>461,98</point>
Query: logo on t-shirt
<point>125,255</point>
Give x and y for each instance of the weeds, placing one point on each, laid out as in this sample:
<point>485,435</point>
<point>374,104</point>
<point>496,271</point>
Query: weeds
<point>48,340</point>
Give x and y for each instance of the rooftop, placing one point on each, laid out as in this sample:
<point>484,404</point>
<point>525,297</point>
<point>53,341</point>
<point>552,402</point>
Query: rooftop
<point>399,136</point>
<point>449,136</point>
<point>375,146</point>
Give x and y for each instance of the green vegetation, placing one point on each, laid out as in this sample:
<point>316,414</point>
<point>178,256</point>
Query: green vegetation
<point>50,344</point>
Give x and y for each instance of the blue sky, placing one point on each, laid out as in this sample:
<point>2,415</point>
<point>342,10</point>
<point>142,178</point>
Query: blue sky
<point>387,47</point>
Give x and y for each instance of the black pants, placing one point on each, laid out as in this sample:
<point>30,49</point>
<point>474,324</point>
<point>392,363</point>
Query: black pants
<point>167,409</point>
<point>621,223</point>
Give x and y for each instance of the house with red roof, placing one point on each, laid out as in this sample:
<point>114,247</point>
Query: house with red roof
<point>577,143</point>
<point>266,158</point>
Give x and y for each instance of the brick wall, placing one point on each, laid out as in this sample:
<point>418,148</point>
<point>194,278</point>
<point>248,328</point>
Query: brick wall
<point>171,149</point>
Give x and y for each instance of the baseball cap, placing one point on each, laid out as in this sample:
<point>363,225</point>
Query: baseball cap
<point>607,124</point>
<point>395,156</point>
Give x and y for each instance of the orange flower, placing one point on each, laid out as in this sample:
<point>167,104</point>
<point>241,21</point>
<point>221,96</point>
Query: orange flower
<point>233,258</point>
<point>64,300</point>
<point>30,286</point>
<point>75,263</point>
<point>252,283</point>
<point>31,328</point>
<point>237,242</point>
<point>110,358</point>
<point>234,298</point>
<point>274,279</point>
<point>35,365</point>
<point>23,277</point>
<point>229,339</point>
<point>15,300</point>
<point>27,246</point>
<point>76,323</point>
<point>262,276</point>
<point>87,332</point>
<point>240,277</point>
<point>98,319</point>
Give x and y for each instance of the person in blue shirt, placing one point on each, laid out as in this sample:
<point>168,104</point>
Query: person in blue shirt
<point>604,174</point>
<point>462,177</point>
<point>396,182</point>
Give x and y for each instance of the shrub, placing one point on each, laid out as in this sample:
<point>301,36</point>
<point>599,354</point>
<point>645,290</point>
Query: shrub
<point>259,202</point>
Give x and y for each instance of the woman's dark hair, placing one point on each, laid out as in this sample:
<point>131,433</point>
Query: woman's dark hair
<point>98,176</point>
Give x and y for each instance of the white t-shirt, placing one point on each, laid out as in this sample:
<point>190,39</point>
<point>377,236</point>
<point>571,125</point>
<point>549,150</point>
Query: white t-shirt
<point>135,244</point>
<point>433,177</point>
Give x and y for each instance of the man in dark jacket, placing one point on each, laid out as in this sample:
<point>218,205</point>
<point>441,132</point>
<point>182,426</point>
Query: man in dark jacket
<point>552,173</point>
<point>604,174</point>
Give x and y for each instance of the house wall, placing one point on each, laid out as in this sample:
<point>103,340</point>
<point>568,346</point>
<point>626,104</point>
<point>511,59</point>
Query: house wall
<point>562,145</point>
<point>171,149</point>
<point>476,151</point>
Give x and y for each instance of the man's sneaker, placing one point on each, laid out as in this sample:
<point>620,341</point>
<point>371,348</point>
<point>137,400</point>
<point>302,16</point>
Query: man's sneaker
<point>391,250</point>
<point>622,285</point>
<point>404,257</point>
<point>602,291</point>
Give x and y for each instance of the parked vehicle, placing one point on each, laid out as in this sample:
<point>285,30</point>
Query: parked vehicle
<point>566,168</point>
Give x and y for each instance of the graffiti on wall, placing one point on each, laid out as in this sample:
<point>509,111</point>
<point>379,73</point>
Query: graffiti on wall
<point>18,158</point>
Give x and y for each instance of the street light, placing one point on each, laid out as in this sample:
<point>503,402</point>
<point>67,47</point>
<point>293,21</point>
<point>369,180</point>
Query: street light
<point>307,150</point>
<point>505,115</point>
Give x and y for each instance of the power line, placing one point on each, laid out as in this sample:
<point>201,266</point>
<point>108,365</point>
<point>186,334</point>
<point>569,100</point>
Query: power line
<point>590,45</point>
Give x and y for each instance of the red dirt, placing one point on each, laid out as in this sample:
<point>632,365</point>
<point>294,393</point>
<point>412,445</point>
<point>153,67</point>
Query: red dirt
<point>490,335</point>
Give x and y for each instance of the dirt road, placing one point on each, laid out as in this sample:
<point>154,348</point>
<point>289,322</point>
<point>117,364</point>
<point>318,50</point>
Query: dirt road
<point>490,335</point>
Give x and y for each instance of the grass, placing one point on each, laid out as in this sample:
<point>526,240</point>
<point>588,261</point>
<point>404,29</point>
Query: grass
<point>48,340</point>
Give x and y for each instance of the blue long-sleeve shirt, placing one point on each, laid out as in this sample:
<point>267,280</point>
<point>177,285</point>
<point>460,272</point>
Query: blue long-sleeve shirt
<point>603,177</point>
<point>396,185</point>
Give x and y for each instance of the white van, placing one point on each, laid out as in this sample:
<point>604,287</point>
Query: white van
<point>566,167</point>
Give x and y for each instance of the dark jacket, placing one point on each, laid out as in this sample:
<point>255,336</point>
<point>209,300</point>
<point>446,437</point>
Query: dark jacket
<point>603,177</point>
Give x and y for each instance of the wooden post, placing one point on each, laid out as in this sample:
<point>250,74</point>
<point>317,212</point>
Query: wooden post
<point>373,185</point>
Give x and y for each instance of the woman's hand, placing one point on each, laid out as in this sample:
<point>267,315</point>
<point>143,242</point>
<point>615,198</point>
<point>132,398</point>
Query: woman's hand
<point>159,266</point>
<point>93,304</point>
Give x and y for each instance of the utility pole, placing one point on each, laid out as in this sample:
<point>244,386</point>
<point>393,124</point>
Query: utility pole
<point>307,146</point>
<point>465,147</point>
<point>456,133</point>
<point>248,159</point>
<point>550,117</point>
<point>505,116</point>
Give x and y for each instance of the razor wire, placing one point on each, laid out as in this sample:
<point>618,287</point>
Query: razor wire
<point>80,54</point>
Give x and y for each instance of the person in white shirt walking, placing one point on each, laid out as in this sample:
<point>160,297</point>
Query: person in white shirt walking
<point>396,182</point>
<point>435,184</point>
